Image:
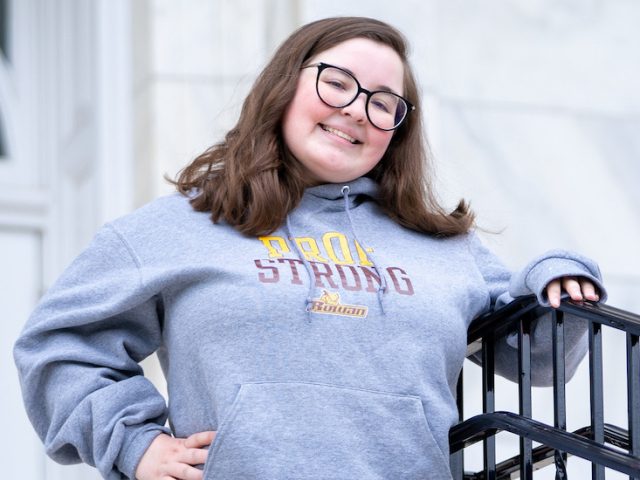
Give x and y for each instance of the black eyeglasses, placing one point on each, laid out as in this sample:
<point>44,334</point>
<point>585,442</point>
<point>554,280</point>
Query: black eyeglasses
<point>338,88</point>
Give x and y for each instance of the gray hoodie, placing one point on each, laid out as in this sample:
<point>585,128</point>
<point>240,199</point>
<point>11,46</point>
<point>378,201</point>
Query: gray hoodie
<point>327,350</point>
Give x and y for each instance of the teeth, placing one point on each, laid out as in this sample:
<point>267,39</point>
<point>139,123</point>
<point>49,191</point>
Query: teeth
<point>339,134</point>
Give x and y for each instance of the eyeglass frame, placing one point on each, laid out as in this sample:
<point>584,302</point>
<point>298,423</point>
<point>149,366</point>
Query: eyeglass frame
<point>369,93</point>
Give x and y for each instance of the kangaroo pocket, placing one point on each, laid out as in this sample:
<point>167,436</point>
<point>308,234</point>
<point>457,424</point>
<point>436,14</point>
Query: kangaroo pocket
<point>314,431</point>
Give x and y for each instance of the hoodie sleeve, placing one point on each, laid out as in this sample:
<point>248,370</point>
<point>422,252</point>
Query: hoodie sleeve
<point>503,286</point>
<point>78,356</point>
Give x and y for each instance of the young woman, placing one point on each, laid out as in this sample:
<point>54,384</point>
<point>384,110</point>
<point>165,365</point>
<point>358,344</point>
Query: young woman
<point>307,296</point>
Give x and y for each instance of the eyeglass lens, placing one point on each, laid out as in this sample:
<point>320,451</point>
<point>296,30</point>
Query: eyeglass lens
<point>338,88</point>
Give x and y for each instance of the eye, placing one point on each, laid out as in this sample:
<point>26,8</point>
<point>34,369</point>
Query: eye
<point>385,102</point>
<point>337,79</point>
<point>334,82</point>
<point>380,104</point>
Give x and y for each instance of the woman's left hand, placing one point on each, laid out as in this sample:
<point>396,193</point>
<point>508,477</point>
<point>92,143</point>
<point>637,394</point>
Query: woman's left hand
<point>578,288</point>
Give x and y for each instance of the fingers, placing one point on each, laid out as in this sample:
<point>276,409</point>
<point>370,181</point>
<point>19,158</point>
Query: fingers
<point>579,289</point>
<point>199,439</point>
<point>193,456</point>
<point>183,471</point>
<point>169,458</point>
<point>554,290</point>
<point>589,290</point>
<point>572,287</point>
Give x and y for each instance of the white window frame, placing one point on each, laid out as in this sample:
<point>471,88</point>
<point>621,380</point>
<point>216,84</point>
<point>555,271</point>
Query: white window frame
<point>38,191</point>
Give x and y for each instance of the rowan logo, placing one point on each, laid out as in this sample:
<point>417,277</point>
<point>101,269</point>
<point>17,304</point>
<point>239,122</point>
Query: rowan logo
<point>329,304</point>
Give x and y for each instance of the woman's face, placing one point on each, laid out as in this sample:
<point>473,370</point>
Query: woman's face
<point>338,145</point>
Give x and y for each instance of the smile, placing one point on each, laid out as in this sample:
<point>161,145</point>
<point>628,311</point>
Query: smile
<point>340,134</point>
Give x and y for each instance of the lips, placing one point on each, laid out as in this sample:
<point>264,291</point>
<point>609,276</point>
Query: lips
<point>341,134</point>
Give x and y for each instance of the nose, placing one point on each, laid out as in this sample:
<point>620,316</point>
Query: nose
<point>357,109</point>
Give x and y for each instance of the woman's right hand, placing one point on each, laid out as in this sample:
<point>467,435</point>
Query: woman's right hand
<point>169,458</point>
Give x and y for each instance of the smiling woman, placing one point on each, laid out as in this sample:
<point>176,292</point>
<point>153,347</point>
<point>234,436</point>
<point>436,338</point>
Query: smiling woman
<point>306,293</point>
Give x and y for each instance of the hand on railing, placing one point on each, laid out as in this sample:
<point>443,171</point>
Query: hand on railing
<point>578,288</point>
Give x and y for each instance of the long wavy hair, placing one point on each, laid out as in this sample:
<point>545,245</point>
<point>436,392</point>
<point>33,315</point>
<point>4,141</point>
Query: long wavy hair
<point>252,181</point>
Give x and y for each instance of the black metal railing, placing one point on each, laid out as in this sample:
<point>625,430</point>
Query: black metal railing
<point>604,445</point>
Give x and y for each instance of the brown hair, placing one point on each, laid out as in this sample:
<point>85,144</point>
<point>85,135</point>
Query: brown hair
<point>252,181</point>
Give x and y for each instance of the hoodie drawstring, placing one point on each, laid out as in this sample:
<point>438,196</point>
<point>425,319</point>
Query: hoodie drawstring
<point>382,288</point>
<point>307,267</point>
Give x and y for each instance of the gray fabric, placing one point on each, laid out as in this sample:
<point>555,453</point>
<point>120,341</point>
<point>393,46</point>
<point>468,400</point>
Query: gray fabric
<point>334,389</point>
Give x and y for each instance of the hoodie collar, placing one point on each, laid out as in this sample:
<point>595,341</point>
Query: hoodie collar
<point>334,191</point>
<point>330,197</point>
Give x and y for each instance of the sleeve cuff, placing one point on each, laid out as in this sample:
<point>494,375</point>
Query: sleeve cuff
<point>557,264</point>
<point>137,441</point>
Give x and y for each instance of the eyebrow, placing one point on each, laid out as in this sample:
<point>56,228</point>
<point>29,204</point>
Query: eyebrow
<point>377,89</point>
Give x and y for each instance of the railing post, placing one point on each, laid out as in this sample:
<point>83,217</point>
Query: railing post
<point>559,391</point>
<point>488,403</point>
<point>596,395</point>
<point>524,393</point>
<point>633,395</point>
<point>456,460</point>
